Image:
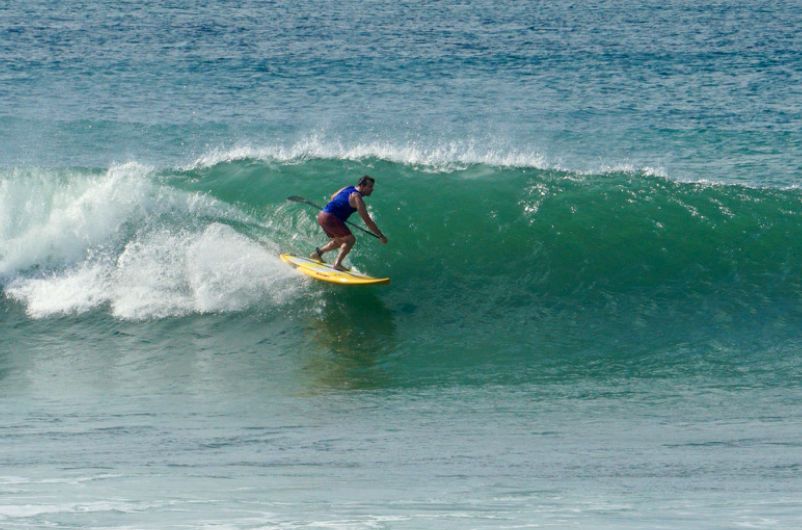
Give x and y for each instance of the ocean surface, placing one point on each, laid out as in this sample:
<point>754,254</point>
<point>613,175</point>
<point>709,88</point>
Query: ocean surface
<point>594,213</point>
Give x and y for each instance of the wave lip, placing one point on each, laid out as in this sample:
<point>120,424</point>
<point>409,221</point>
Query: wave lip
<point>446,156</point>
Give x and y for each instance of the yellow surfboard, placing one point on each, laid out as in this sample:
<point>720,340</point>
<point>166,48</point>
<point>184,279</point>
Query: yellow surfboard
<point>327,273</point>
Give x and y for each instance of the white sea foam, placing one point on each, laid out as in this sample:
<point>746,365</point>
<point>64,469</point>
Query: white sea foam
<point>78,242</point>
<point>424,155</point>
<point>73,291</point>
<point>165,274</point>
<point>627,168</point>
<point>47,218</point>
<point>444,156</point>
<point>216,270</point>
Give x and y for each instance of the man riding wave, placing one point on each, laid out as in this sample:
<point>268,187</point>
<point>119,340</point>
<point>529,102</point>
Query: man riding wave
<point>332,217</point>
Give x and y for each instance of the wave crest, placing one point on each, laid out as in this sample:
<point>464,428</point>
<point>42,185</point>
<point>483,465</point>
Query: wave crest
<point>446,156</point>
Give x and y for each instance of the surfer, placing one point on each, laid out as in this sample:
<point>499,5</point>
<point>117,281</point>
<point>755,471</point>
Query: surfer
<point>332,219</point>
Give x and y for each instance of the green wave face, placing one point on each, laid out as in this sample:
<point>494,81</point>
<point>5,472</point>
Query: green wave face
<point>536,231</point>
<point>512,261</point>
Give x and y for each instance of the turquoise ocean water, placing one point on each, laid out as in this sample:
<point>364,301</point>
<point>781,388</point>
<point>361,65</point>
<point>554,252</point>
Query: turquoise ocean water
<point>595,224</point>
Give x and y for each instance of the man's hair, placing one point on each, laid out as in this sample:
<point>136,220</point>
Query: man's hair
<point>364,180</point>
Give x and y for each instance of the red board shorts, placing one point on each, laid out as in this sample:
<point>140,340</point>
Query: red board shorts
<point>332,225</point>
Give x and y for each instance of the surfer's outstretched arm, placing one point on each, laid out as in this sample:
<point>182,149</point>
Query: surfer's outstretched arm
<point>363,212</point>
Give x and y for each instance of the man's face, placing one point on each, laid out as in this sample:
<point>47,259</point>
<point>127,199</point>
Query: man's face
<point>367,188</point>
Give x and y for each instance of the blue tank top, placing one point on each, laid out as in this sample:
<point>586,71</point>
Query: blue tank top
<point>339,206</point>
